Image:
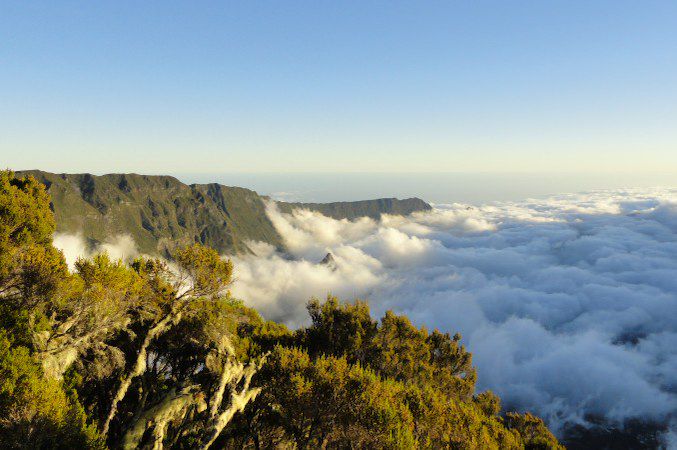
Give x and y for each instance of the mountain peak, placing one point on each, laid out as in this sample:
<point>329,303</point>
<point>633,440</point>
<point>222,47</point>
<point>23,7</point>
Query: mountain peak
<point>329,261</point>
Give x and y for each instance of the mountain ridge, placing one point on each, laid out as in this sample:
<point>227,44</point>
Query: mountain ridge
<point>161,212</point>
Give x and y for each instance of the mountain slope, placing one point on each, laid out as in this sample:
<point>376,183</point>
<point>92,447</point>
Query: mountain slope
<point>362,208</point>
<point>161,212</point>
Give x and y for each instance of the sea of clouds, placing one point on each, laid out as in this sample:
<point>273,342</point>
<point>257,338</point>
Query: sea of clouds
<point>569,303</point>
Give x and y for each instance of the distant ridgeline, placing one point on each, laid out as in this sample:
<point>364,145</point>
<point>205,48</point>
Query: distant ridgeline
<point>161,213</point>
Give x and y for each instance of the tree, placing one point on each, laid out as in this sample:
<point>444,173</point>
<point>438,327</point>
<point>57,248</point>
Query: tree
<point>325,402</point>
<point>535,434</point>
<point>31,269</point>
<point>177,301</point>
<point>347,381</point>
<point>340,329</point>
<point>101,296</point>
<point>36,412</point>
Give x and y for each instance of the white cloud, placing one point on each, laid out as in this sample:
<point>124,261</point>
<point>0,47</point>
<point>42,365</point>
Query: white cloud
<point>120,247</point>
<point>569,303</point>
<point>75,246</point>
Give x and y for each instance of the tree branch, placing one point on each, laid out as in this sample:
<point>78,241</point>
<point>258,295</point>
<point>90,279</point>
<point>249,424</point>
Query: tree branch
<point>139,366</point>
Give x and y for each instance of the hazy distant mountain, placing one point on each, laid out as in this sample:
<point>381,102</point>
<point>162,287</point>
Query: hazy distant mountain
<point>368,208</point>
<point>161,212</point>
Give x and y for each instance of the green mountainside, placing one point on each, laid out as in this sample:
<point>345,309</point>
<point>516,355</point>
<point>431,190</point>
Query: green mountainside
<point>161,213</point>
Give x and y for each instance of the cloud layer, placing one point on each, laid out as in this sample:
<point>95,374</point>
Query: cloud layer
<point>569,304</point>
<point>75,246</point>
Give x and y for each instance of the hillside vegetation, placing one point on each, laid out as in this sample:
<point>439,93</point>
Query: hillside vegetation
<point>160,212</point>
<point>147,356</point>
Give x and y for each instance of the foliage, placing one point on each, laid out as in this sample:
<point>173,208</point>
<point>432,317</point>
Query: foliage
<point>534,432</point>
<point>347,380</point>
<point>207,273</point>
<point>36,412</point>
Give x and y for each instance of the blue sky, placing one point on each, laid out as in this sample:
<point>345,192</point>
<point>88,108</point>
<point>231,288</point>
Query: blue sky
<point>319,86</point>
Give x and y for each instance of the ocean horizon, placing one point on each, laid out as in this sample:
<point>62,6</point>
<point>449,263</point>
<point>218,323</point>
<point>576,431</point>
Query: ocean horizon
<point>436,187</point>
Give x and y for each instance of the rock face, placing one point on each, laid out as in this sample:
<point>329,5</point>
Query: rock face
<point>161,213</point>
<point>329,261</point>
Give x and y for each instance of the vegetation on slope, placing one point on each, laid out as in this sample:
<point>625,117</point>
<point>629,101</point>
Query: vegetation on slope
<point>144,356</point>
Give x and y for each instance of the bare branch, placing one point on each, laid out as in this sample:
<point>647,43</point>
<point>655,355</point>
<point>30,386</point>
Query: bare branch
<point>238,399</point>
<point>140,364</point>
<point>174,405</point>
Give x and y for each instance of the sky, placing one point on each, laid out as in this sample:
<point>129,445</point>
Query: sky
<point>284,87</point>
